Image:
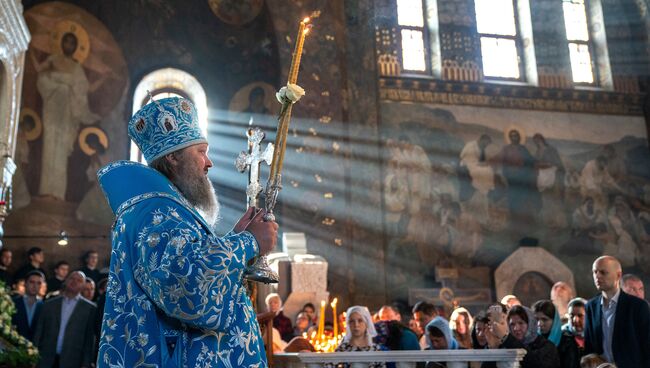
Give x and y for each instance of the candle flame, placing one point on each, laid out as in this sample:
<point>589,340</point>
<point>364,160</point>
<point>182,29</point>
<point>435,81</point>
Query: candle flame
<point>333,304</point>
<point>322,303</point>
<point>306,20</point>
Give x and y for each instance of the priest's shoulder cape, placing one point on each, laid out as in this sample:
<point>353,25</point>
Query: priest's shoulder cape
<point>175,294</point>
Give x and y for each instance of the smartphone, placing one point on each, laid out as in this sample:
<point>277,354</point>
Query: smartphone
<point>495,313</point>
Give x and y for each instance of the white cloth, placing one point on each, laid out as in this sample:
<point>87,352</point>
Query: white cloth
<point>481,173</point>
<point>365,314</point>
<point>592,179</point>
<point>546,178</point>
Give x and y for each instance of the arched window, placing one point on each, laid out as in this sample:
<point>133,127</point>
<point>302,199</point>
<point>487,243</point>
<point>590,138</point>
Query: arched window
<point>169,82</point>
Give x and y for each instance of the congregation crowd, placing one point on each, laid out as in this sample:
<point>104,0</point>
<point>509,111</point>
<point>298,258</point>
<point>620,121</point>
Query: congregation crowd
<point>564,331</point>
<point>62,314</point>
<point>610,330</point>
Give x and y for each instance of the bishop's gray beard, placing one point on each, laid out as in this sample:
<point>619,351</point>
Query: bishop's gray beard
<point>198,190</point>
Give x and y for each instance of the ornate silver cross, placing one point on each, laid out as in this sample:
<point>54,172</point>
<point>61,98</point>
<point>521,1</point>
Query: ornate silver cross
<point>251,160</point>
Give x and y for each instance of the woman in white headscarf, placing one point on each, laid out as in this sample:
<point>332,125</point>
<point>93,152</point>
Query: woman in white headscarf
<point>460,323</point>
<point>359,333</point>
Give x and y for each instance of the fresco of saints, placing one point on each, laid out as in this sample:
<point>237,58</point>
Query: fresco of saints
<point>474,158</point>
<point>550,182</point>
<point>518,169</point>
<point>64,88</point>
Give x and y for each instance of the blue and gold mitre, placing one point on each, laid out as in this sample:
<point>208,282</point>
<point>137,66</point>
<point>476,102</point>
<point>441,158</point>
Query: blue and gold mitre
<point>164,126</point>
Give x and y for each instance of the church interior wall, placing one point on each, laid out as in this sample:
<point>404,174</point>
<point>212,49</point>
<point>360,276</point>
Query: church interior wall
<point>373,171</point>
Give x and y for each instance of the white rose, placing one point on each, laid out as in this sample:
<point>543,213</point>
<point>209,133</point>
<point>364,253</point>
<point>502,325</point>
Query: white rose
<point>290,93</point>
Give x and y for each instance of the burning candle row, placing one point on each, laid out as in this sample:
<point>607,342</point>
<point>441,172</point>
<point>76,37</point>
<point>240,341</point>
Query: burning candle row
<point>326,342</point>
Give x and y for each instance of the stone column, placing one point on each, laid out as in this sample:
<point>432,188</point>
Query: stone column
<point>14,39</point>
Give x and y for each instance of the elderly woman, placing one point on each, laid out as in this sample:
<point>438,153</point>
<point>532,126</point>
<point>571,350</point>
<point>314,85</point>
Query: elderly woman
<point>550,326</point>
<point>359,333</point>
<point>460,322</point>
<point>280,321</point>
<point>518,330</point>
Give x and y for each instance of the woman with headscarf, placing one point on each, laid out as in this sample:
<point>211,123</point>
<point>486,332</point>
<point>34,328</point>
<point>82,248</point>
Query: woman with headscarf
<point>359,333</point>
<point>550,326</point>
<point>518,330</point>
<point>439,337</point>
<point>460,322</point>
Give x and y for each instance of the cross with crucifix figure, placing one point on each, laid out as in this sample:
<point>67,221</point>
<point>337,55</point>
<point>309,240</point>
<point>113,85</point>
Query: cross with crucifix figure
<point>251,160</point>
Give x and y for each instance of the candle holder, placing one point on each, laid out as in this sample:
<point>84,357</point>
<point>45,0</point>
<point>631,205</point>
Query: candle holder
<point>260,271</point>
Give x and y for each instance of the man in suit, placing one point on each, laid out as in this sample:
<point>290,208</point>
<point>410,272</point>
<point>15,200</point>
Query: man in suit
<point>28,306</point>
<point>617,325</point>
<point>66,338</point>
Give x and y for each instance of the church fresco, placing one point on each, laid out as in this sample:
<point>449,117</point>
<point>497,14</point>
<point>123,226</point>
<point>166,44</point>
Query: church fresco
<point>463,185</point>
<point>75,80</point>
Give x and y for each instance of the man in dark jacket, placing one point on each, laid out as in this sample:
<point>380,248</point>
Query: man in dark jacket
<point>28,306</point>
<point>66,338</point>
<point>617,325</point>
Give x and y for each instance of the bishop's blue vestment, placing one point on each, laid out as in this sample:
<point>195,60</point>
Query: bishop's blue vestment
<point>175,294</point>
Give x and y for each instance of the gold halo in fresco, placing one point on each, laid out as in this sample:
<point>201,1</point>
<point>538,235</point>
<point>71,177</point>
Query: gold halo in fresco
<point>236,12</point>
<point>85,132</point>
<point>446,295</point>
<point>83,42</point>
<point>31,116</point>
<point>522,134</point>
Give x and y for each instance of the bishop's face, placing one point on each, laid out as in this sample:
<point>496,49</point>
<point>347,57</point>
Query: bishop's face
<point>197,160</point>
<point>191,177</point>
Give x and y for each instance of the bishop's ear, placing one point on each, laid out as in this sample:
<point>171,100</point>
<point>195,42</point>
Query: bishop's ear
<point>172,159</point>
<point>172,164</point>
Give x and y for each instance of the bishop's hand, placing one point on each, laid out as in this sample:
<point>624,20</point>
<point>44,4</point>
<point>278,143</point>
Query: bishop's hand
<point>244,220</point>
<point>265,232</point>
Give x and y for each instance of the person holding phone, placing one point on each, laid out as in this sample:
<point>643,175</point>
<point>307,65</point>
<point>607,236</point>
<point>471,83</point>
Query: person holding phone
<point>517,329</point>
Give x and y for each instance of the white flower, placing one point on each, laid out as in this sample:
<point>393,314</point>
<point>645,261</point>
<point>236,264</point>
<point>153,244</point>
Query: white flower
<point>157,219</point>
<point>153,239</point>
<point>290,93</point>
<point>177,241</point>
<point>239,337</point>
<point>143,339</point>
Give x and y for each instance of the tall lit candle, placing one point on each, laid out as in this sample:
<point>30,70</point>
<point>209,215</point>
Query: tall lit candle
<point>336,322</point>
<point>297,52</point>
<point>321,320</point>
<point>283,125</point>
